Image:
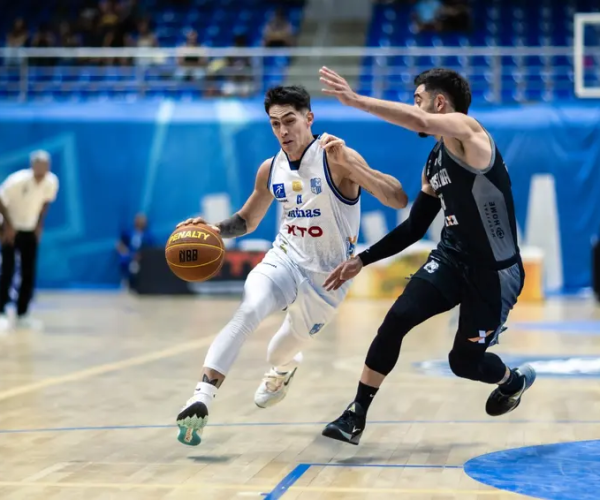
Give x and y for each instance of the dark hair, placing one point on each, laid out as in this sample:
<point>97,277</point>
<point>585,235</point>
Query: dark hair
<point>449,83</point>
<point>292,95</point>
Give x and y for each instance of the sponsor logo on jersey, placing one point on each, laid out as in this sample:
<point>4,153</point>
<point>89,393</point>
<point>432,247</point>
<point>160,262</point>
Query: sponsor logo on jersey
<point>440,179</point>
<point>313,231</point>
<point>298,213</point>
<point>555,367</point>
<point>493,219</point>
<point>315,185</point>
<point>297,186</point>
<point>299,199</point>
<point>279,191</point>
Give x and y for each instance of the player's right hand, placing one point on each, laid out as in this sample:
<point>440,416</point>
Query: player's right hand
<point>342,273</point>
<point>195,221</point>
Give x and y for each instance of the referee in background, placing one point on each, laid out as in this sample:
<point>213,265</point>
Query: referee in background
<point>25,196</point>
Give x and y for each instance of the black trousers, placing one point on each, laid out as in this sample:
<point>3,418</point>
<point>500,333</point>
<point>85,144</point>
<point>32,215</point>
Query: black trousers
<point>485,297</point>
<point>26,244</point>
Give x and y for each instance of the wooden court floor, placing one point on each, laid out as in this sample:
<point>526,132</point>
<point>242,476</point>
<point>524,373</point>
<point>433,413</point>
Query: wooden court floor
<point>87,406</point>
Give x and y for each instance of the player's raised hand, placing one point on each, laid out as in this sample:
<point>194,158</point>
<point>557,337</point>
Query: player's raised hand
<point>334,147</point>
<point>337,86</point>
<point>342,273</point>
<point>196,221</point>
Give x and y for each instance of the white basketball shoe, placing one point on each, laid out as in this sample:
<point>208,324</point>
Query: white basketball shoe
<point>273,388</point>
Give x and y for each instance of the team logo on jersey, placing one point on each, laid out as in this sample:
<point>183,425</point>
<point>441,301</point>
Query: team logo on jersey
<point>297,186</point>
<point>316,328</point>
<point>351,247</point>
<point>432,266</point>
<point>279,191</point>
<point>315,185</point>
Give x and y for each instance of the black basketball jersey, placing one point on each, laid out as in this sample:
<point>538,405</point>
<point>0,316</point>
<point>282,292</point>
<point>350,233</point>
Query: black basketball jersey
<point>480,225</point>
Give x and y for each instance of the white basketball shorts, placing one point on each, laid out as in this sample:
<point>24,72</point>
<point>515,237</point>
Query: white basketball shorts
<point>310,306</point>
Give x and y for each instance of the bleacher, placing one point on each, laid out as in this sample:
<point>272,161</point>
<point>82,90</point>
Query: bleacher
<point>495,23</point>
<point>217,25</point>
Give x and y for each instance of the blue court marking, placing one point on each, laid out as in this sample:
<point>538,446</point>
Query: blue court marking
<point>287,481</point>
<point>561,471</point>
<point>591,327</point>
<point>293,424</point>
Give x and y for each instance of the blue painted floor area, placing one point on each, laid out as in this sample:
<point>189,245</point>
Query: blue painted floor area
<point>562,471</point>
<point>568,366</point>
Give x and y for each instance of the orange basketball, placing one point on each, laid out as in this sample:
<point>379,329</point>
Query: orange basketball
<point>195,252</point>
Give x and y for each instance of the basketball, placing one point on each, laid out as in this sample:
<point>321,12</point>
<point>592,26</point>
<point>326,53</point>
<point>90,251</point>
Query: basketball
<point>195,252</point>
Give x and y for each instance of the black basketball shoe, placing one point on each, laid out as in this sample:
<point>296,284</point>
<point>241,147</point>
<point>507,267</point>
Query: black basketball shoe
<point>349,426</point>
<point>499,403</point>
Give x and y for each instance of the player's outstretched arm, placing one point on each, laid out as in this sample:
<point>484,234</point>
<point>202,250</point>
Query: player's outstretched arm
<point>457,125</point>
<point>423,212</point>
<point>249,216</point>
<point>387,189</point>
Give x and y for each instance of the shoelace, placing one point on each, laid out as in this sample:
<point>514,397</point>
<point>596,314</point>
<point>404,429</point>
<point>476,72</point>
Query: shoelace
<point>274,381</point>
<point>347,417</point>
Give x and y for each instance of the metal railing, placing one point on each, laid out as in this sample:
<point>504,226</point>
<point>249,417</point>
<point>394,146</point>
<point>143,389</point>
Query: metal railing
<point>144,72</point>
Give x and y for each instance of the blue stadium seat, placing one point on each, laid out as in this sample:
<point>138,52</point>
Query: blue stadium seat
<point>510,23</point>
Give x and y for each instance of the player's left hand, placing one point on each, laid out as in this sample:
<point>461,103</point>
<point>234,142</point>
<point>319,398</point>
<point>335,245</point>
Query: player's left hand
<point>337,87</point>
<point>334,146</point>
<point>342,273</point>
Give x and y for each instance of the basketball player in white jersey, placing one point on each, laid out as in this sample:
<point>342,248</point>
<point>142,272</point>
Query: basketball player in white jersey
<point>318,182</point>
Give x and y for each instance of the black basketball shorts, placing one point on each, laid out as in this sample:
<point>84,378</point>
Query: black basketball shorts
<point>486,296</point>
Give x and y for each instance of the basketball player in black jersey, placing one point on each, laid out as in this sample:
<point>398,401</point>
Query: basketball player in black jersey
<point>477,263</point>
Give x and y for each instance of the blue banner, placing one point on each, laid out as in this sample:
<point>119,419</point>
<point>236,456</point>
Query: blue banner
<point>173,160</point>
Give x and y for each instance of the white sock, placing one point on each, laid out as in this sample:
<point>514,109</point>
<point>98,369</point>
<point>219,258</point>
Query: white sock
<point>205,392</point>
<point>284,369</point>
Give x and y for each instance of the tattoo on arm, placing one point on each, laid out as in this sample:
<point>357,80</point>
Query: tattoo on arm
<point>233,227</point>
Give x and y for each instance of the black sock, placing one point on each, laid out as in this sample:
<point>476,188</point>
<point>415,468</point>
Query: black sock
<point>365,395</point>
<point>513,384</point>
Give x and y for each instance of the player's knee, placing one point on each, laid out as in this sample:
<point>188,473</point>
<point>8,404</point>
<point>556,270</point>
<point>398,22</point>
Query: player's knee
<point>399,320</point>
<point>246,319</point>
<point>464,365</point>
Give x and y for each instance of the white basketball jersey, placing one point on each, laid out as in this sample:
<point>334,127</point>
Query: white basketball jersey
<point>319,226</point>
